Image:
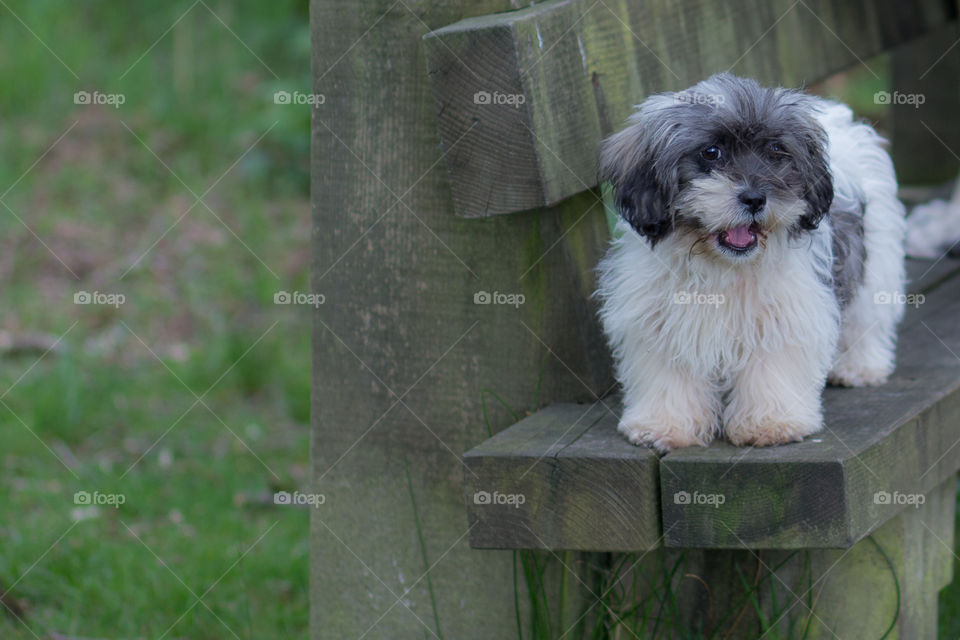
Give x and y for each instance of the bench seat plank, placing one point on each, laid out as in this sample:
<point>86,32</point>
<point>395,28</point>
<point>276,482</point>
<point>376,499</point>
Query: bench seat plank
<point>593,492</point>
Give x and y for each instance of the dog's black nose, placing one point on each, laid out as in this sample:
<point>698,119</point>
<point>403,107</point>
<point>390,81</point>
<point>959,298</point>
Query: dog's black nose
<point>753,199</point>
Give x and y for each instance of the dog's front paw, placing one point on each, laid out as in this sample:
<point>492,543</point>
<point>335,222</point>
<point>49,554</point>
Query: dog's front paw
<point>660,436</point>
<point>851,375</point>
<point>768,432</point>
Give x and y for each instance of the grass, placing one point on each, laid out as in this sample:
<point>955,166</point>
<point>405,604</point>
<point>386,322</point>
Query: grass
<point>949,601</point>
<point>640,596</point>
<point>197,549</point>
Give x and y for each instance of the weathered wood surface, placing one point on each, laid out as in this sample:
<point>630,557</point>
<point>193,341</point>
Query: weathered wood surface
<point>580,485</point>
<point>900,439</point>
<point>923,95</point>
<point>402,355</point>
<point>587,488</point>
<point>923,276</point>
<point>828,593</point>
<point>561,75</point>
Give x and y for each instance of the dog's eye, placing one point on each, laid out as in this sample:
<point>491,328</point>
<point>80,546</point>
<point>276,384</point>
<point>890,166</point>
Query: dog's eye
<point>711,153</point>
<point>777,148</point>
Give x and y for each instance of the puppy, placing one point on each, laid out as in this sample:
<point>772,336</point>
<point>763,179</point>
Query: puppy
<point>759,252</point>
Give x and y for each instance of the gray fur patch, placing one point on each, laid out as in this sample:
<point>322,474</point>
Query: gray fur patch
<point>849,251</point>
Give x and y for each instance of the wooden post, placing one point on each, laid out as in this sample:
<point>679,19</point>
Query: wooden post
<point>890,578</point>
<point>924,95</point>
<point>405,345</point>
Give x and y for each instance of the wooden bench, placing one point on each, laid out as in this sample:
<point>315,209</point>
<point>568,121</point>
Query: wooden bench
<point>455,153</point>
<point>519,129</point>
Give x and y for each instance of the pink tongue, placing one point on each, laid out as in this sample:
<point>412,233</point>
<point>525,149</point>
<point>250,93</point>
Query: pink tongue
<point>739,237</point>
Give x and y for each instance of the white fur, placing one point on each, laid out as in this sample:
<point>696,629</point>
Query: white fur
<point>703,344</point>
<point>866,351</point>
<point>933,228</point>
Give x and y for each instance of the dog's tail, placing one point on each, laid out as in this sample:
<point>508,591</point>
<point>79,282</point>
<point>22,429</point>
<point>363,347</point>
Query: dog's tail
<point>933,228</point>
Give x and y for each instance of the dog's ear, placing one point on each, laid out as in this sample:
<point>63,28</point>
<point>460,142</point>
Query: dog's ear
<point>643,196</point>
<point>817,177</point>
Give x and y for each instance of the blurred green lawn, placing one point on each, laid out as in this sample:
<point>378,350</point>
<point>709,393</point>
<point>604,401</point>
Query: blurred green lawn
<point>91,199</point>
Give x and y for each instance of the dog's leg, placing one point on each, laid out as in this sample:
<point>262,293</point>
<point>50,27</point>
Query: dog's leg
<point>865,354</point>
<point>666,407</point>
<point>866,351</point>
<point>867,344</point>
<point>776,397</point>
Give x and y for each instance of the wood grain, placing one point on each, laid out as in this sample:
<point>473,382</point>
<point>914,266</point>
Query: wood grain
<point>925,141</point>
<point>582,486</point>
<point>402,356</point>
<point>576,68</point>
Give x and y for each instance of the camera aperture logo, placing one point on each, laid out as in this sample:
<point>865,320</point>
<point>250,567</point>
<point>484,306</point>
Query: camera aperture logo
<point>696,498</point>
<point>512,99</point>
<point>299,499</point>
<point>298,97</point>
<point>512,299</point>
<point>897,498</point>
<point>96,97</point>
<point>86,498</point>
<point>298,297</point>
<point>512,499</point>
<point>99,297</point>
<point>912,99</point>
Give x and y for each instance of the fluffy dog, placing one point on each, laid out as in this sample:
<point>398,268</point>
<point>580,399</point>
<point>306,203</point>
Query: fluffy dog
<point>759,252</point>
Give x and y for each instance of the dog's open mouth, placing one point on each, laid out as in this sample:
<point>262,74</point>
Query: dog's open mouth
<point>740,239</point>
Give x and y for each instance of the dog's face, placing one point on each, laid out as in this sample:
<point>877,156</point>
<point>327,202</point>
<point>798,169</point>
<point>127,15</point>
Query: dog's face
<point>724,164</point>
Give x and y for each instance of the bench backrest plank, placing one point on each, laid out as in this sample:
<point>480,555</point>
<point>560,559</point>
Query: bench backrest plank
<point>524,97</point>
